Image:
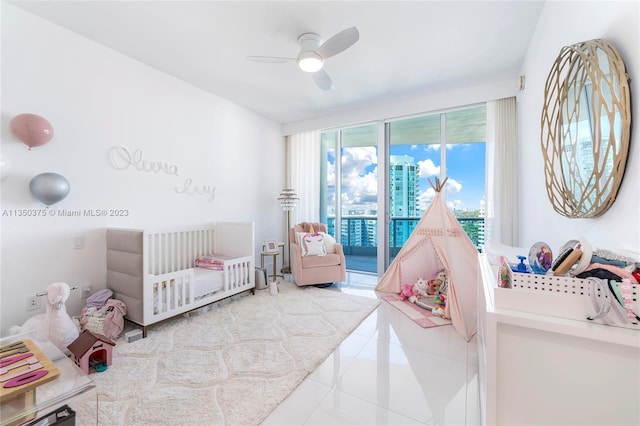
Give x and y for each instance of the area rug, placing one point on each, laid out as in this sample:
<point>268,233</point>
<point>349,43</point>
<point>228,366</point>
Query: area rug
<point>231,365</point>
<point>420,316</point>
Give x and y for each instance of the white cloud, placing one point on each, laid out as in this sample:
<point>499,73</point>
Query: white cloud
<point>428,169</point>
<point>454,204</point>
<point>453,186</point>
<point>425,198</point>
<point>360,186</point>
<point>331,174</point>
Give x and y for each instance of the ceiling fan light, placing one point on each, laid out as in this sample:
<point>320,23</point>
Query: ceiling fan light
<point>310,62</point>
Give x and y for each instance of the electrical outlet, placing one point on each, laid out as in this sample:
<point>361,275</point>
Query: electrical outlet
<point>86,291</point>
<point>78,243</point>
<point>32,303</point>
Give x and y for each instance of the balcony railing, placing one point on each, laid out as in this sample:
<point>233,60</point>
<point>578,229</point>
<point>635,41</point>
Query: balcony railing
<point>359,237</point>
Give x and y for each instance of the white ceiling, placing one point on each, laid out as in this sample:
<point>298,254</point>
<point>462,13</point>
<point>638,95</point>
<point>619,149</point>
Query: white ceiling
<point>405,48</point>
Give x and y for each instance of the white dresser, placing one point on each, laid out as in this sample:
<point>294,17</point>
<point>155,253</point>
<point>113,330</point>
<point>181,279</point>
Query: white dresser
<point>545,370</point>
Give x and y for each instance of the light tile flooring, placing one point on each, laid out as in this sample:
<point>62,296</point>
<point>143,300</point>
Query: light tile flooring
<point>389,371</point>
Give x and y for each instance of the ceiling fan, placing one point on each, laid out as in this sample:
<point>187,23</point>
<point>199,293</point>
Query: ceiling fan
<point>313,53</point>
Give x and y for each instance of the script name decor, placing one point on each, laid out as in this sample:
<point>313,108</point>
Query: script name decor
<point>189,188</point>
<point>122,158</point>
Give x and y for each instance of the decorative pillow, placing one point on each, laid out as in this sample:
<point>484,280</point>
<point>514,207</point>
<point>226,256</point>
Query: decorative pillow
<point>299,237</point>
<point>313,245</point>
<point>329,243</point>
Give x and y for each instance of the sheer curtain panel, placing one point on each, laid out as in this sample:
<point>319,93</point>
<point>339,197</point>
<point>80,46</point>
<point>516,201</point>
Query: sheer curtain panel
<point>501,215</point>
<point>303,174</point>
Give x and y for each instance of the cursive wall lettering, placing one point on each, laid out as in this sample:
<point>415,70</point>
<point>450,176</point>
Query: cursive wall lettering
<point>122,159</point>
<point>189,188</point>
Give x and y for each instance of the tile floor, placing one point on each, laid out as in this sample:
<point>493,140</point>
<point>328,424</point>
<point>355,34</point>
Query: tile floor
<point>389,371</point>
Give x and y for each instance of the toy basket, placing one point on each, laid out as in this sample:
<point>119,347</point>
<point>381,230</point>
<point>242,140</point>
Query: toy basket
<point>559,296</point>
<point>95,324</point>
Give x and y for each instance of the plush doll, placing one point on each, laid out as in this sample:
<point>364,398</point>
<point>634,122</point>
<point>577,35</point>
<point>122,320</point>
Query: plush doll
<point>55,324</point>
<point>438,284</point>
<point>444,281</point>
<point>406,291</point>
<point>434,286</point>
<point>440,303</point>
<point>420,290</point>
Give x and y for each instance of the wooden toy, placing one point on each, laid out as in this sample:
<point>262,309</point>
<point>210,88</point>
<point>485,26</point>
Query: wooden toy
<point>91,351</point>
<point>23,366</point>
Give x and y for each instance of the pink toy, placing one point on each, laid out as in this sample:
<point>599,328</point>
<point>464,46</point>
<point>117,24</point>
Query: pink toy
<point>406,291</point>
<point>91,351</point>
<point>413,292</point>
<point>420,290</point>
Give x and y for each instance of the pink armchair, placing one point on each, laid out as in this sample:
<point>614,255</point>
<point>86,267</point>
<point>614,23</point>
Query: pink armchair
<point>313,270</point>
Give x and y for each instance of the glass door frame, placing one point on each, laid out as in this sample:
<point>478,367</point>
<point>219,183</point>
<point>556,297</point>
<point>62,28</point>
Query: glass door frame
<point>384,217</point>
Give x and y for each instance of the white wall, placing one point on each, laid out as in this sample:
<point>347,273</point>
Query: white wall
<point>96,99</point>
<point>418,104</point>
<point>562,24</point>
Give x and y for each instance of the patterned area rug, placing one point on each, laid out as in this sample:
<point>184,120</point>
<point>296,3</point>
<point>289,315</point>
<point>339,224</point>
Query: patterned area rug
<point>231,365</point>
<point>420,316</point>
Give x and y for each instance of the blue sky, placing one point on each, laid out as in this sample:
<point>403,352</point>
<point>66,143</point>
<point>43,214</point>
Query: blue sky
<point>465,170</point>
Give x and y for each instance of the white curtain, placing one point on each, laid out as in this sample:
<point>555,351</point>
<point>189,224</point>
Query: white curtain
<point>303,175</point>
<point>501,210</point>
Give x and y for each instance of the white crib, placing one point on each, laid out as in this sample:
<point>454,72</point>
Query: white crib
<point>153,271</point>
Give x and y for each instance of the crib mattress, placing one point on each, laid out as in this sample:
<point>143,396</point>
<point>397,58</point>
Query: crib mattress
<point>206,282</point>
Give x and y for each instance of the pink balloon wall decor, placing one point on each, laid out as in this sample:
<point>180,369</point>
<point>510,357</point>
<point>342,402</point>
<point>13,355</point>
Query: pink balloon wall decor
<point>31,129</point>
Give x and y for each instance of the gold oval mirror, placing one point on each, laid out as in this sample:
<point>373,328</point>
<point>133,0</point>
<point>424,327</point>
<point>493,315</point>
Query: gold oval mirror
<point>586,126</point>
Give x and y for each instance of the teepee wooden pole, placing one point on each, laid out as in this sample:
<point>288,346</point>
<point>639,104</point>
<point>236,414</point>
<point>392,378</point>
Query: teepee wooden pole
<point>438,186</point>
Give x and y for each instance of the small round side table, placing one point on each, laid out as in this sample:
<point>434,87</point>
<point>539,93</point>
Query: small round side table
<point>274,258</point>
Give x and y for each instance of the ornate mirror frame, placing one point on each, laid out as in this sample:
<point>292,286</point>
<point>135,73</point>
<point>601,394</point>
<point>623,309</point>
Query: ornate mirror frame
<point>586,128</point>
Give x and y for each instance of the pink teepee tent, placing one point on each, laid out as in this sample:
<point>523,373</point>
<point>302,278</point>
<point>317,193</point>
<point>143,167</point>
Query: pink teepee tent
<point>439,242</point>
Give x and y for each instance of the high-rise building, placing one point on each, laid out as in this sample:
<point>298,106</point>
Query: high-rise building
<point>404,190</point>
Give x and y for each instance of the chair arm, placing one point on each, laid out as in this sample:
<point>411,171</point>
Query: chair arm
<point>340,251</point>
<point>295,258</point>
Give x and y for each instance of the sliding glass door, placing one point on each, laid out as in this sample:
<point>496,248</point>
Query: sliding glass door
<point>350,194</point>
<point>414,156</point>
<point>414,150</point>
<point>447,145</point>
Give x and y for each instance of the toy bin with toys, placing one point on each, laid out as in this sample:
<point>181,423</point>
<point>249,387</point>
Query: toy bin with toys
<point>566,296</point>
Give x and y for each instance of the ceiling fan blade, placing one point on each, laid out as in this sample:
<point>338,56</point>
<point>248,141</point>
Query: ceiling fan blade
<point>339,42</point>
<point>323,80</point>
<point>270,59</point>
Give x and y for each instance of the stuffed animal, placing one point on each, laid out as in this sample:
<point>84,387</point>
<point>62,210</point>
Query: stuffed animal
<point>444,281</point>
<point>438,284</point>
<point>406,291</point>
<point>55,324</point>
<point>440,303</point>
<point>420,290</point>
